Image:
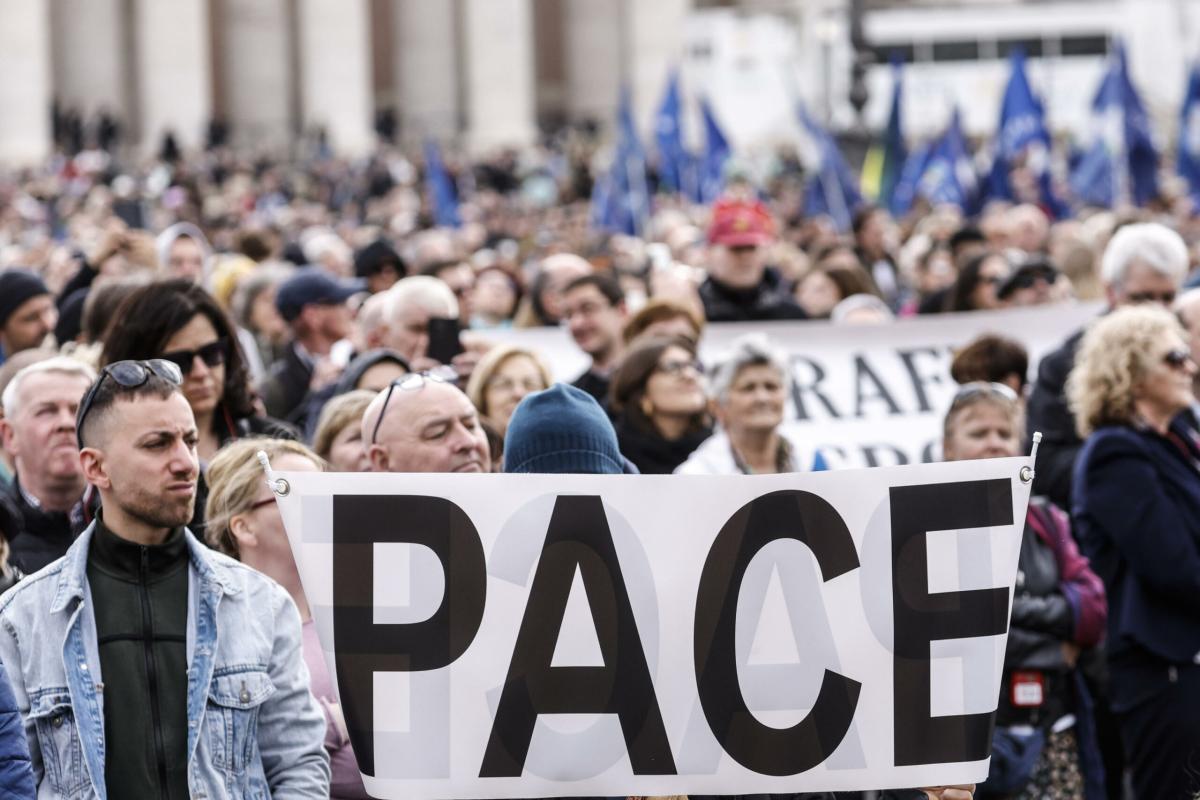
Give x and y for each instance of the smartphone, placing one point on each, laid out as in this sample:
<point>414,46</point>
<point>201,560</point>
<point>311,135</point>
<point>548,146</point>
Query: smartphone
<point>444,343</point>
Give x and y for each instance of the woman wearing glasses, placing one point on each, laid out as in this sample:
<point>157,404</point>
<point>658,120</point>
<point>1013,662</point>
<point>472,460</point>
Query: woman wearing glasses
<point>658,396</point>
<point>1136,505</point>
<point>502,378</point>
<point>1043,745</point>
<point>180,322</point>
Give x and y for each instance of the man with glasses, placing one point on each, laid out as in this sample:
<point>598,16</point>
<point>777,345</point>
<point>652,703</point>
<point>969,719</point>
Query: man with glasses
<point>38,431</point>
<point>740,286</point>
<point>423,423</point>
<point>1143,263</point>
<point>145,664</point>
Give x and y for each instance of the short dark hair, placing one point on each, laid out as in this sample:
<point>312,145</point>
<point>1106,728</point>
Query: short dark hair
<point>153,313</point>
<point>607,285</point>
<point>990,358</point>
<point>967,234</point>
<point>862,216</point>
<point>110,391</point>
<point>102,302</point>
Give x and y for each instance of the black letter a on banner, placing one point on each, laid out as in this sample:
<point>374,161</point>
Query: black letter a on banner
<point>578,540</point>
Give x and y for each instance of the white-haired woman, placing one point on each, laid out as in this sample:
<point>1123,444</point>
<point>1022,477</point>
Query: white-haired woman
<point>749,391</point>
<point>1136,507</point>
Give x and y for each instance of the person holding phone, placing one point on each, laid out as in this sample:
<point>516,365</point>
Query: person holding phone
<point>422,325</point>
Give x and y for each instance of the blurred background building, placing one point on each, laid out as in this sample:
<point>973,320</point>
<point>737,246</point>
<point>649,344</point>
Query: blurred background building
<point>484,73</point>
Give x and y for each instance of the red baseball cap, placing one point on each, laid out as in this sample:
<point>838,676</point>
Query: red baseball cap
<point>739,223</point>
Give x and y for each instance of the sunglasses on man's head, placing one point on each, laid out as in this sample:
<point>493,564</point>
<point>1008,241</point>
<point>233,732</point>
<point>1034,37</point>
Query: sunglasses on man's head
<point>410,383</point>
<point>128,375</point>
<point>212,354</point>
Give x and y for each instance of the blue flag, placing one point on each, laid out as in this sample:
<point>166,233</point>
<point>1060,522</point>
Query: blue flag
<point>948,176</point>
<point>905,192</point>
<point>1188,162</point>
<point>832,189</point>
<point>1121,165</point>
<point>1022,131</point>
<point>894,151</point>
<point>676,167</point>
<point>716,153</point>
<point>620,199</point>
<point>442,193</point>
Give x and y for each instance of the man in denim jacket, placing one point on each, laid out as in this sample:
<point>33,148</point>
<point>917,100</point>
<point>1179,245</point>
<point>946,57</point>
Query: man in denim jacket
<point>144,664</point>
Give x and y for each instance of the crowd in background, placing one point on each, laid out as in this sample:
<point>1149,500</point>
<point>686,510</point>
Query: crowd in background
<point>312,307</point>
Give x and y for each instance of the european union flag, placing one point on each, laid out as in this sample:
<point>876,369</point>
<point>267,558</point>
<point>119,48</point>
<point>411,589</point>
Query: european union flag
<point>442,193</point>
<point>716,153</point>
<point>676,167</point>
<point>1121,165</point>
<point>832,190</point>
<point>1188,162</point>
<point>949,176</point>
<point>620,199</point>
<point>1023,131</point>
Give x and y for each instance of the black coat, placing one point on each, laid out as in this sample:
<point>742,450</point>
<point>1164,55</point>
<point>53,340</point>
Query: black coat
<point>771,299</point>
<point>1048,412</point>
<point>651,453</point>
<point>38,537</point>
<point>285,389</point>
<point>1137,517</point>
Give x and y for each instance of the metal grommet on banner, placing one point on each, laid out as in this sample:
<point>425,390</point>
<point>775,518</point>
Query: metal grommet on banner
<point>279,486</point>
<point>1027,473</point>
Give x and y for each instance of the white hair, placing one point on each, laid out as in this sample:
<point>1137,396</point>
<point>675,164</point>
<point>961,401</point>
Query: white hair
<point>424,291</point>
<point>1150,243</point>
<point>61,364</point>
<point>750,350</point>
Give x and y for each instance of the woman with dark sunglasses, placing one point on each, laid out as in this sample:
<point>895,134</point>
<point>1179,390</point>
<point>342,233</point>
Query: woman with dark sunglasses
<point>180,322</point>
<point>1136,508</point>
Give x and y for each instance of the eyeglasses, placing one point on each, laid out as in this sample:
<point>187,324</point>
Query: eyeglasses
<point>676,368</point>
<point>1027,280</point>
<point>212,354</point>
<point>128,375</point>
<point>969,391</point>
<point>411,383</point>
<point>1165,298</point>
<point>1177,358</point>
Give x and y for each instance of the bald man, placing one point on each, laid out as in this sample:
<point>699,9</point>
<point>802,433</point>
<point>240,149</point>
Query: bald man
<point>421,423</point>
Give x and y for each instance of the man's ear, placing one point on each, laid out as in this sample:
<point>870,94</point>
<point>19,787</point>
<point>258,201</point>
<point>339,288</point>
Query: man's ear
<point>7,436</point>
<point>377,455</point>
<point>94,468</point>
<point>239,526</point>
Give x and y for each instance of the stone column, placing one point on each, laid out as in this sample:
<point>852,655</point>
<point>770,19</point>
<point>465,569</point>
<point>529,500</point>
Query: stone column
<point>499,87</point>
<point>594,38</point>
<point>335,72</point>
<point>25,90</point>
<point>654,44</point>
<point>90,57</point>
<point>174,71</point>
<point>427,68</point>
<point>256,75</point>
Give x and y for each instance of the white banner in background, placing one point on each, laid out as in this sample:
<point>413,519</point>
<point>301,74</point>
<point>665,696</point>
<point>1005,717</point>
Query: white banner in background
<point>506,636</point>
<point>866,396</point>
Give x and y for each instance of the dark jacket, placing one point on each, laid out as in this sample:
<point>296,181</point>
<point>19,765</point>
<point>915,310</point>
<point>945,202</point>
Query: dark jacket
<point>1047,412</point>
<point>771,299</point>
<point>39,537</point>
<point>650,452</point>
<point>16,774</point>
<point>285,388</point>
<point>1137,516</point>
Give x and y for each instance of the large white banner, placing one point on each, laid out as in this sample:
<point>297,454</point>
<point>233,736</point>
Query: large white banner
<point>501,636</point>
<point>866,396</point>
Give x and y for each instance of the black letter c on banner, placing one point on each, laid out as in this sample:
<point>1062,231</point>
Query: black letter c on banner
<point>789,514</point>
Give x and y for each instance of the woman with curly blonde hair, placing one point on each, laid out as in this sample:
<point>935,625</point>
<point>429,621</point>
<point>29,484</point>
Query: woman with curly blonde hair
<point>1136,504</point>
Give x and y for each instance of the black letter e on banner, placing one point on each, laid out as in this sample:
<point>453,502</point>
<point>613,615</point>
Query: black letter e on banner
<point>364,648</point>
<point>578,539</point>
<point>921,617</point>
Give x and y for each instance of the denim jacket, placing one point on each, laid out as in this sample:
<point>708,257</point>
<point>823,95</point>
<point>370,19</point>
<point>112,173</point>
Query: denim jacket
<point>254,729</point>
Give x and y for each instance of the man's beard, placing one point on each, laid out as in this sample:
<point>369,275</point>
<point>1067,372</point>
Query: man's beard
<point>153,511</point>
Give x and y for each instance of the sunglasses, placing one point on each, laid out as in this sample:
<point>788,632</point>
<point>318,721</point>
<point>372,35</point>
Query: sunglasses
<point>969,391</point>
<point>1177,358</point>
<point>411,383</point>
<point>1165,298</point>
<point>1027,280</point>
<point>212,354</point>
<point>128,375</point>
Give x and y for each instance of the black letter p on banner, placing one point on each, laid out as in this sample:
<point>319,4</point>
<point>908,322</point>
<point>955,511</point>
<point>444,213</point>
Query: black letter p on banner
<point>364,648</point>
<point>922,617</point>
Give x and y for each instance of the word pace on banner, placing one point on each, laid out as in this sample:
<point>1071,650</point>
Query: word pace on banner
<point>502,636</point>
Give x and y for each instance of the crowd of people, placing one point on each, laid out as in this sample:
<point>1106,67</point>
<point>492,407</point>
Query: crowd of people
<point>159,326</point>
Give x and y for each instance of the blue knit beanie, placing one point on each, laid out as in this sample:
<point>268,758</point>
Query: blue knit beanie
<point>562,430</point>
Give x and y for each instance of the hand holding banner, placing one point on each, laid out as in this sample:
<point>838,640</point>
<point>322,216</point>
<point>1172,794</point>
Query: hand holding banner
<point>529,636</point>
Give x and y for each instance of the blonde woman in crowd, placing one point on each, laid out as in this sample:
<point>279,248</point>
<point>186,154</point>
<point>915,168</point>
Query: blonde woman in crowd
<point>338,437</point>
<point>244,523</point>
<point>502,378</point>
